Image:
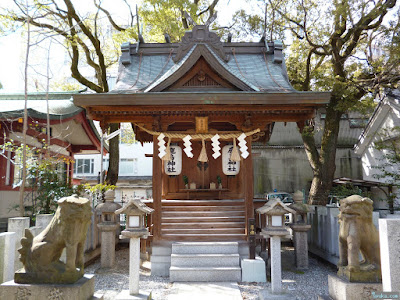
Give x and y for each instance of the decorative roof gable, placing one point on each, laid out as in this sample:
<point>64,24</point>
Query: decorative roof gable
<point>186,64</point>
<point>200,35</point>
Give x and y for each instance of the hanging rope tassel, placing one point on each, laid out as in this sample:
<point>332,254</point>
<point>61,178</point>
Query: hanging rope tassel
<point>203,154</point>
<point>167,155</point>
<point>235,156</point>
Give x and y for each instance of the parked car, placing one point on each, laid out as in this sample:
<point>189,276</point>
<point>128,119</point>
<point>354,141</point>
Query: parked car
<point>333,201</point>
<point>283,196</point>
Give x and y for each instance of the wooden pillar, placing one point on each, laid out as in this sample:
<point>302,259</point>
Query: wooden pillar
<point>248,184</point>
<point>157,189</point>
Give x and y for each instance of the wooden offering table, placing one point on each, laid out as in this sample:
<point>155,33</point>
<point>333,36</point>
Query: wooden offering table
<point>209,191</point>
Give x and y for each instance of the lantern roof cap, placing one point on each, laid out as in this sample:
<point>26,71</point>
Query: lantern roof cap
<point>135,204</point>
<point>275,207</point>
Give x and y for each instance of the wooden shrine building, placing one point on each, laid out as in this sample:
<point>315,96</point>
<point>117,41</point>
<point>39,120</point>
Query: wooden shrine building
<point>180,96</point>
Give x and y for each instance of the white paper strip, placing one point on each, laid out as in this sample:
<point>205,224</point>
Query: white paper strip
<point>161,146</point>
<point>187,143</point>
<point>242,145</point>
<point>216,148</point>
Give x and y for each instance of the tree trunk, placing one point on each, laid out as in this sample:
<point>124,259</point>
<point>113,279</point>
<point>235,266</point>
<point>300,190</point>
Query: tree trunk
<point>113,164</point>
<point>322,162</point>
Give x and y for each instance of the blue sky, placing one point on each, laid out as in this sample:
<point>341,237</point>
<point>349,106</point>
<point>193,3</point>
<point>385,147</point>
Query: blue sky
<point>13,47</point>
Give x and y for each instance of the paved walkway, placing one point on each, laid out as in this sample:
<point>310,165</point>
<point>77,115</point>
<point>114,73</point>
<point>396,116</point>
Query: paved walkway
<point>205,290</point>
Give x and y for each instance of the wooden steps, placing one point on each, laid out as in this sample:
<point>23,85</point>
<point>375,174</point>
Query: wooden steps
<point>203,220</point>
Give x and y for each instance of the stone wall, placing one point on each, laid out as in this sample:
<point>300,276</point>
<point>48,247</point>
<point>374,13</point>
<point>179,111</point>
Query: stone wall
<point>287,168</point>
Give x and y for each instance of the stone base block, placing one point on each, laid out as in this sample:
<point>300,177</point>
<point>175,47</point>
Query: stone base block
<point>267,294</point>
<point>361,275</point>
<point>124,295</point>
<point>253,270</point>
<point>83,289</point>
<point>160,265</point>
<point>62,277</point>
<point>340,289</point>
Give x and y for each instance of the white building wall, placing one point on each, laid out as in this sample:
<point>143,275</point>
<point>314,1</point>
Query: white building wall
<point>144,165</point>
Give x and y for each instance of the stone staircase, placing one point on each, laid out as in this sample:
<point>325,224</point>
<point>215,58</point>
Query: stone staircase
<point>205,261</point>
<point>203,220</point>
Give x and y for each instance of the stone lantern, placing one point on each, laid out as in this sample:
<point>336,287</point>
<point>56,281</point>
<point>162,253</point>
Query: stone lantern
<point>300,228</point>
<point>136,212</point>
<point>275,211</point>
<point>108,227</point>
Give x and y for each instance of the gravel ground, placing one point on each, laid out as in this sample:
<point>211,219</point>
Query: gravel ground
<point>305,285</point>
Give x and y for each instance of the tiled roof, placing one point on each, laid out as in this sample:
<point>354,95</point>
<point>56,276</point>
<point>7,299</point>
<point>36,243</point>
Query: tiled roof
<point>258,66</point>
<point>61,105</point>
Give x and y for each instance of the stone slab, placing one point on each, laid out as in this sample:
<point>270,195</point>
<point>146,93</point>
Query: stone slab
<point>42,220</point>
<point>143,295</point>
<point>7,256</point>
<point>390,253</point>
<point>253,270</point>
<point>267,294</point>
<point>18,225</point>
<point>208,291</point>
<point>83,289</point>
<point>339,289</point>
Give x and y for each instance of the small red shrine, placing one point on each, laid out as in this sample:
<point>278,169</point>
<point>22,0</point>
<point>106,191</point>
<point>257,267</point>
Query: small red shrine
<point>202,102</point>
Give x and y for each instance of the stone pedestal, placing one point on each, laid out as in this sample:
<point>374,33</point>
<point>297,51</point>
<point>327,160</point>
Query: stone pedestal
<point>134,266</point>
<point>108,226</point>
<point>276,266</point>
<point>253,270</point>
<point>83,289</point>
<point>340,289</point>
<point>390,254</point>
<point>300,245</point>
<point>107,244</point>
<point>7,256</point>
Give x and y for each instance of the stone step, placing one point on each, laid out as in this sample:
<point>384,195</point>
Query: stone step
<point>203,231</point>
<point>185,219</point>
<point>205,237</point>
<point>233,213</point>
<point>205,260</point>
<point>205,274</point>
<point>205,248</point>
<point>190,225</point>
<point>202,202</point>
<point>204,208</point>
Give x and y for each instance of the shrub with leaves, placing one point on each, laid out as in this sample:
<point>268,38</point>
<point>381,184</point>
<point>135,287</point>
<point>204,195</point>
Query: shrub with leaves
<point>96,192</point>
<point>48,182</point>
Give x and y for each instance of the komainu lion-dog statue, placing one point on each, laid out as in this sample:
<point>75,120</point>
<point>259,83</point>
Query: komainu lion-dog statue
<point>357,234</point>
<point>40,255</point>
